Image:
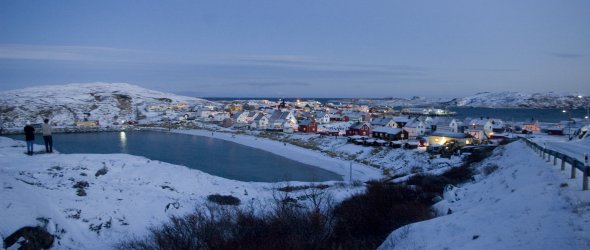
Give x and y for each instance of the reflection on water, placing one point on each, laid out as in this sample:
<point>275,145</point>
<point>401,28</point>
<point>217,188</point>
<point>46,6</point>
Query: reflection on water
<point>123,141</point>
<point>214,156</point>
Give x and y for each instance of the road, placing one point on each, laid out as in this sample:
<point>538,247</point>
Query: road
<point>573,148</point>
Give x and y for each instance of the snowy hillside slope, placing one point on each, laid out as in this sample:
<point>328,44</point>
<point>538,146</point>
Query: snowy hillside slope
<point>521,100</point>
<point>525,204</point>
<point>87,210</point>
<point>132,195</point>
<point>67,104</point>
<point>497,100</point>
<point>414,101</point>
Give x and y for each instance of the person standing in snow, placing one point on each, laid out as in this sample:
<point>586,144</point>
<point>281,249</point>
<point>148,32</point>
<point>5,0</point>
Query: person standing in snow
<point>47,136</point>
<point>29,137</point>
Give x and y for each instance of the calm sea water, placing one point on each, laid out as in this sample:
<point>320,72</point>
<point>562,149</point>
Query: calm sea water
<point>214,156</point>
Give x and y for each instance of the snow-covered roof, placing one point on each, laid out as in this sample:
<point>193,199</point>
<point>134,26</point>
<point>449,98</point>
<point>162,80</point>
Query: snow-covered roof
<point>305,122</point>
<point>413,124</point>
<point>387,130</point>
<point>450,134</point>
<point>381,121</point>
<point>477,122</point>
<point>404,119</point>
<point>359,125</point>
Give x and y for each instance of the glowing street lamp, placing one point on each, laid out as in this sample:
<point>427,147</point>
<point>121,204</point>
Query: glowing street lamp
<point>587,108</point>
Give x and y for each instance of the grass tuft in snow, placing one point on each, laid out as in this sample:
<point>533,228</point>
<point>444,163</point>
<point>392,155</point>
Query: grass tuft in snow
<point>224,199</point>
<point>30,238</point>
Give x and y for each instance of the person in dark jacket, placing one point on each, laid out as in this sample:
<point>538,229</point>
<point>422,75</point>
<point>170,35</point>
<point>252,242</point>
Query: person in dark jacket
<point>47,136</point>
<point>29,137</point>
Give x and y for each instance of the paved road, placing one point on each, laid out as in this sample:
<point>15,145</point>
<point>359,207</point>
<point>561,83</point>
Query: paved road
<point>572,149</point>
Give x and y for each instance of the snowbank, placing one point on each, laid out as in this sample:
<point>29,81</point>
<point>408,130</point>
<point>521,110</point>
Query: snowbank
<point>87,210</point>
<point>134,194</point>
<point>525,204</point>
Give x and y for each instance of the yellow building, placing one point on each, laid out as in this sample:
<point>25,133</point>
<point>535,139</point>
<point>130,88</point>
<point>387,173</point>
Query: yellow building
<point>87,123</point>
<point>440,138</point>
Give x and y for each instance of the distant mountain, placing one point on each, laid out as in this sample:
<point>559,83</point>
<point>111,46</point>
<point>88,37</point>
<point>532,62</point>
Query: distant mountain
<point>67,104</point>
<point>497,100</point>
<point>520,100</point>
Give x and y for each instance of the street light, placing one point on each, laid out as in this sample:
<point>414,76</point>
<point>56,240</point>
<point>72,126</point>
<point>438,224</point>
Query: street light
<point>587,108</point>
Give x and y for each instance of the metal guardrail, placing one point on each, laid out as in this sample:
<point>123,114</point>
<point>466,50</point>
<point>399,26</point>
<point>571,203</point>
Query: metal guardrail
<point>564,160</point>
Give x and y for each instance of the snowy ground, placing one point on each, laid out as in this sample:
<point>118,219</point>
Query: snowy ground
<point>521,205</point>
<point>133,195</point>
<point>526,203</point>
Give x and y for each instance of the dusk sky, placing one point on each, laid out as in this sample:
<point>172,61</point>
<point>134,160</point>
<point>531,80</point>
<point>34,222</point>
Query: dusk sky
<point>300,48</point>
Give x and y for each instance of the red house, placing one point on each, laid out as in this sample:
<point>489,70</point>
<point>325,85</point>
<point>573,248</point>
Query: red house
<point>359,128</point>
<point>308,126</point>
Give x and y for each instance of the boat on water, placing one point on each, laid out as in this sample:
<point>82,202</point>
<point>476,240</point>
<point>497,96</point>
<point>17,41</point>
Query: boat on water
<point>428,111</point>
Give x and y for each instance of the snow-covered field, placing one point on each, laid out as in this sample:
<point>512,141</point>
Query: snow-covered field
<point>526,203</point>
<point>134,194</point>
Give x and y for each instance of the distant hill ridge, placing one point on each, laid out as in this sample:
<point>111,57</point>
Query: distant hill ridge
<point>66,104</point>
<point>499,100</point>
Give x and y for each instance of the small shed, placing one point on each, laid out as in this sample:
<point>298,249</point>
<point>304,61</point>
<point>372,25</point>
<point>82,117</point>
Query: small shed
<point>308,126</point>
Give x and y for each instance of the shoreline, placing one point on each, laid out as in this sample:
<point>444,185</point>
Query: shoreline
<point>317,159</point>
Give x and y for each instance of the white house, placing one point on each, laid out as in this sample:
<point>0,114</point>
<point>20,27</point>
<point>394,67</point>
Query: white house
<point>322,118</point>
<point>401,120</point>
<point>279,118</point>
<point>440,124</point>
<point>415,128</point>
<point>260,122</point>
<point>456,125</point>
<point>220,116</point>
<point>247,117</point>
<point>240,117</point>
<point>290,126</point>
<point>384,122</point>
<point>486,125</point>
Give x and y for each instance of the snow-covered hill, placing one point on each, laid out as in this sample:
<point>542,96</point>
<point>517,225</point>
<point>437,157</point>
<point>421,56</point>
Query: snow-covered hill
<point>496,100</point>
<point>67,104</point>
<point>520,100</point>
<point>86,209</point>
<point>526,203</point>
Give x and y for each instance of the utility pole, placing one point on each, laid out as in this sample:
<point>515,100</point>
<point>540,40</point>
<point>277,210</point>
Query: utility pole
<point>585,175</point>
<point>350,174</point>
